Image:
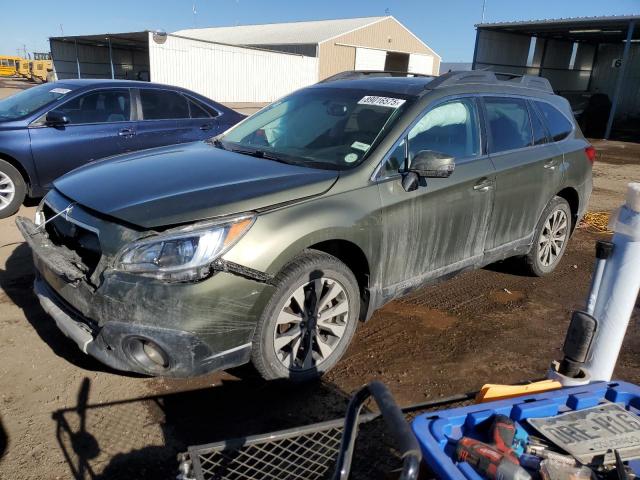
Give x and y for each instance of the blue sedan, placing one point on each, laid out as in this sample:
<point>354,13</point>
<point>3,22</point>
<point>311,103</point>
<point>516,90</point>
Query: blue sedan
<point>51,129</point>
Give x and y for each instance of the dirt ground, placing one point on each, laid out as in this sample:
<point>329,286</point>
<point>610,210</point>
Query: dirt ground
<point>64,415</point>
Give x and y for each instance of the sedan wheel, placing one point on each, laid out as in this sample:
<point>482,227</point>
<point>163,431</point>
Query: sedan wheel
<point>7,190</point>
<point>311,324</point>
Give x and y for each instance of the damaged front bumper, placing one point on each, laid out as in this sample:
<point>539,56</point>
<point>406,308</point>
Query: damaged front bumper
<point>187,328</point>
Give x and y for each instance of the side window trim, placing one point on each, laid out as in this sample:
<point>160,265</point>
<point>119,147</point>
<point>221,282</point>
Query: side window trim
<point>377,173</point>
<point>534,112</point>
<point>206,108</point>
<point>88,92</point>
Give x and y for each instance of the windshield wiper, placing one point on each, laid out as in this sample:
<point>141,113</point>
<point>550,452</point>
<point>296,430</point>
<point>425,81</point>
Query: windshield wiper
<point>215,141</point>
<point>260,154</point>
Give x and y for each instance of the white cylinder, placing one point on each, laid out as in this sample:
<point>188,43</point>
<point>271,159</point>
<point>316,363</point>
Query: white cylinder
<point>619,289</point>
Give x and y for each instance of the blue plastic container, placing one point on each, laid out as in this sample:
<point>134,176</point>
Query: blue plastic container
<point>438,432</point>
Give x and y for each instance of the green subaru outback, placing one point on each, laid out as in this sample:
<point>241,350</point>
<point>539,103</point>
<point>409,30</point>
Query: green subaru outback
<point>269,243</point>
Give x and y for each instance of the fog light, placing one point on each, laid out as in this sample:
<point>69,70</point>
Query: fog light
<point>148,354</point>
<point>155,354</point>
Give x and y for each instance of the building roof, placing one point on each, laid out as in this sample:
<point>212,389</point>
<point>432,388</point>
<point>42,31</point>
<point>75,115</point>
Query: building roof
<point>611,28</point>
<point>312,32</point>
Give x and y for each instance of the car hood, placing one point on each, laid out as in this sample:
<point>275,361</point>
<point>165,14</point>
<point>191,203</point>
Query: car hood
<point>188,182</point>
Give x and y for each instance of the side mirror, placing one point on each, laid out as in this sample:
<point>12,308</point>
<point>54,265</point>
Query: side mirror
<point>432,164</point>
<point>56,119</point>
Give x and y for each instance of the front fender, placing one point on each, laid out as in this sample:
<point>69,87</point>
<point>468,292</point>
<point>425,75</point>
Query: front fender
<point>279,235</point>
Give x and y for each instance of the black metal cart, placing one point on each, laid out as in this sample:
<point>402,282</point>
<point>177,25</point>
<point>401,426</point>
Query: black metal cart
<point>323,450</point>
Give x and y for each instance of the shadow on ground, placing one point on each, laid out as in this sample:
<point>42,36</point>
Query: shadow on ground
<point>97,440</point>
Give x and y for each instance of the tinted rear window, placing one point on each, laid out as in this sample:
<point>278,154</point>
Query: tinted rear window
<point>557,123</point>
<point>163,105</point>
<point>509,124</point>
<point>539,130</point>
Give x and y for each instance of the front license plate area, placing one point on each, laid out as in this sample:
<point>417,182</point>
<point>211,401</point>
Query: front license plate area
<point>591,435</point>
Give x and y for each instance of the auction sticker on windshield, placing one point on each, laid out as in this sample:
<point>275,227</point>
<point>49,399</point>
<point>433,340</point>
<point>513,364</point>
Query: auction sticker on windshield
<point>591,435</point>
<point>382,101</point>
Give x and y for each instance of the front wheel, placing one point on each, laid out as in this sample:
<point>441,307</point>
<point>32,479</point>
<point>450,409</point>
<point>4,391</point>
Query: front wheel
<point>310,320</point>
<point>551,238</point>
<point>12,189</point>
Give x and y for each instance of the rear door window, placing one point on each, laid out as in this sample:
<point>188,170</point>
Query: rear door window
<point>559,126</point>
<point>163,105</point>
<point>508,123</point>
<point>101,106</point>
<point>199,111</point>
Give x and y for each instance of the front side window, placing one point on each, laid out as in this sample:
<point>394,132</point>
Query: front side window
<point>163,105</point>
<point>332,128</point>
<point>28,101</point>
<point>509,124</point>
<point>557,123</point>
<point>102,106</point>
<point>450,128</point>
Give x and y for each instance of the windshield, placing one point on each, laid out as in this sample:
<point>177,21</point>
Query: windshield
<point>28,101</point>
<point>332,128</point>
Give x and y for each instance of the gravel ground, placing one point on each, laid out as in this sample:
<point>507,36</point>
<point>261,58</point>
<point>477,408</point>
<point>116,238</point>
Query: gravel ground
<point>64,415</point>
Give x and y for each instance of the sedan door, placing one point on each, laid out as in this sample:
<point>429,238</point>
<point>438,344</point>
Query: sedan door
<point>99,126</point>
<point>202,123</point>
<point>162,113</point>
<point>528,171</point>
<point>440,227</point>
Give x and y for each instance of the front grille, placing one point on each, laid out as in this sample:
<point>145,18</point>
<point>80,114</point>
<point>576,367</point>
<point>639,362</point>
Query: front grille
<point>82,241</point>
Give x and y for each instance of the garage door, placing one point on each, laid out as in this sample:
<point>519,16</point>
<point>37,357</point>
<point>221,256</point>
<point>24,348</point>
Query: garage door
<point>421,64</point>
<point>369,59</point>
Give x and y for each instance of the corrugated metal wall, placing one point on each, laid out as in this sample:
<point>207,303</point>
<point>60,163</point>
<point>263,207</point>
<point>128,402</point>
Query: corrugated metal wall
<point>229,74</point>
<point>606,73</point>
<point>339,54</point>
<point>509,53</point>
<point>94,61</point>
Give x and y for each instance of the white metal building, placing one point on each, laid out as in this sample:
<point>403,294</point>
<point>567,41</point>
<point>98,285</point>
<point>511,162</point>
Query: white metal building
<point>246,64</point>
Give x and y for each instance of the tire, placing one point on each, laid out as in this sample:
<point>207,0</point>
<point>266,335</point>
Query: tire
<point>12,189</point>
<point>545,255</point>
<point>283,332</point>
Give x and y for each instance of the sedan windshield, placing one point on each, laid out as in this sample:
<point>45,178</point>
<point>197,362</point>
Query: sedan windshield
<point>28,101</point>
<point>332,128</point>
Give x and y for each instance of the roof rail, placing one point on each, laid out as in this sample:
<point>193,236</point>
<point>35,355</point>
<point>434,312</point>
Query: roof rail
<point>356,74</point>
<point>485,76</point>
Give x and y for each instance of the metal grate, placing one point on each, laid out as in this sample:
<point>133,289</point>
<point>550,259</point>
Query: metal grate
<point>305,454</point>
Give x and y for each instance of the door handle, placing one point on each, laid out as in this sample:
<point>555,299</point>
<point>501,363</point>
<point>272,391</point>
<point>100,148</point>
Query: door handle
<point>483,186</point>
<point>206,126</point>
<point>126,132</point>
<point>551,164</point>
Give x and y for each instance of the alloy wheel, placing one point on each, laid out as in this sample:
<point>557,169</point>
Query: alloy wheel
<point>311,324</point>
<point>7,190</point>
<point>553,237</point>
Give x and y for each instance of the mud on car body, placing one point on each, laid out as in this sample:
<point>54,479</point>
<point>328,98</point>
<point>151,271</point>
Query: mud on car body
<point>269,243</point>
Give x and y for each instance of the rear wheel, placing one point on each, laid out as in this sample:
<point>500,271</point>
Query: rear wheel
<point>310,320</point>
<point>12,189</point>
<point>551,238</point>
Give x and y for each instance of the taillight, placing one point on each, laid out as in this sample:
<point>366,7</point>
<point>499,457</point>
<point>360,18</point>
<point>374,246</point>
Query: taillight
<point>591,153</point>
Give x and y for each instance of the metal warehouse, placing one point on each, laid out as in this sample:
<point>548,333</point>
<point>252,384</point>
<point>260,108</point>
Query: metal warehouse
<point>252,63</point>
<point>593,61</point>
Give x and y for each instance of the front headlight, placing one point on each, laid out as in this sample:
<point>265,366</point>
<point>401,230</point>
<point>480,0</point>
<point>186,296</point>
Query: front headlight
<point>183,254</point>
